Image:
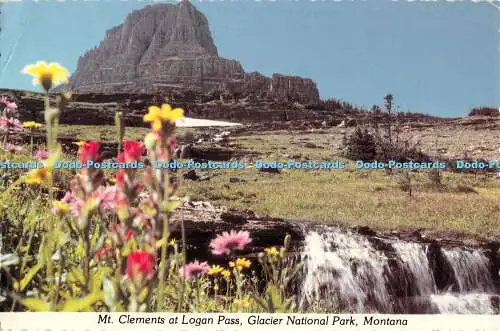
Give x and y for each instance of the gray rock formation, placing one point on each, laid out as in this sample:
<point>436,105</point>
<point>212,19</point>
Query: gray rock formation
<point>164,47</point>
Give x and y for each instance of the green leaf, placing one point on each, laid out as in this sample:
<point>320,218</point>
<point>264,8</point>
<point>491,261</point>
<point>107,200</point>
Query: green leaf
<point>76,276</point>
<point>29,276</point>
<point>36,305</point>
<point>82,304</point>
<point>97,278</point>
<point>143,294</point>
<point>171,205</point>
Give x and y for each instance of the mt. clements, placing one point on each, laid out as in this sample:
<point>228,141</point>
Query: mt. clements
<point>168,47</point>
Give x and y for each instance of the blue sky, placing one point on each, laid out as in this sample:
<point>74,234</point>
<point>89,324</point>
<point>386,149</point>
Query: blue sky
<point>438,58</point>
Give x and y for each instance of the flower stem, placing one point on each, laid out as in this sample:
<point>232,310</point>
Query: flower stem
<point>163,266</point>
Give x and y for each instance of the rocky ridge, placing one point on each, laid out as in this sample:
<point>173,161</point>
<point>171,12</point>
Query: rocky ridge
<point>166,47</point>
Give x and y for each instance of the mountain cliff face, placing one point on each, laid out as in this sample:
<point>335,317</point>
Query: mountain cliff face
<point>167,46</point>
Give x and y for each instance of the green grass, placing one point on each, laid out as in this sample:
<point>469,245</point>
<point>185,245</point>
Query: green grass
<point>339,196</point>
<point>370,198</point>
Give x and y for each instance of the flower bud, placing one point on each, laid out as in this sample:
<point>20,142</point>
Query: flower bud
<point>287,242</point>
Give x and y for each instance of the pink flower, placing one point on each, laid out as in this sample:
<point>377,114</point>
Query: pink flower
<point>193,269</point>
<point>41,154</point>
<point>223,244</point>
<point>7,103</point>
<point>75,202</point>
<point>8,123</point>
<point>108,196</point>
<point>11,148</point>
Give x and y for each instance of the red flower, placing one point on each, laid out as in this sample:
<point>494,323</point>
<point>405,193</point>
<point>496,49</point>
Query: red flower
<point>120,176</point>
<point>130,235</point>
<point>132,150</point>
<point>102,252</point>
<point>172,143</point>
<point>90,151</point>
<point>140,263</point>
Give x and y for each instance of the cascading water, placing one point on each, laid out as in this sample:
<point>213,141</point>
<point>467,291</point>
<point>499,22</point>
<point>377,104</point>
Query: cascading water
<point>470,269</point>
<point>415,257</point>
<point>345,272</point>
<point>475,289</point>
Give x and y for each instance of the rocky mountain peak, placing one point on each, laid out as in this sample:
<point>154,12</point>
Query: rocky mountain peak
<point>165,46</point>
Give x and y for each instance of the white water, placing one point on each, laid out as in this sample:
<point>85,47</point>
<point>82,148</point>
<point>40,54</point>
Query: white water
<point>471,269</point>
<point>470,303</point>
<point>344,272</point>
<point>346,269</point>
<point>415,257</point>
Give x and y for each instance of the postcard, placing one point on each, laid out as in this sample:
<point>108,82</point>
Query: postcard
<point>226,165</point>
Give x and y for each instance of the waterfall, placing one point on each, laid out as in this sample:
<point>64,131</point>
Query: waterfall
<point>349,272</point>
<point>415,257</point>
<point>470,269</point>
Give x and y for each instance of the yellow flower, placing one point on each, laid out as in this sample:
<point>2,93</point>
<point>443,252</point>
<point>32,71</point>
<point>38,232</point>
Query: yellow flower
<point>271,251</point>
<point>242,303</point>
<point>38,177</point>
<point>215,269</point>
<point>47,74</point>
<point>61,207</point>
<point>157,116</point>
<point>31,124</point>
<point>240,263</point>
<point>226,273</point>
<point>172,243</point>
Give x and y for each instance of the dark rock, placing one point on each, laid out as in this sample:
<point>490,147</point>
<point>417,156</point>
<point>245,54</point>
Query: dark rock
<point>191,175</point>
<point>236,180</point>
<point>270,170</point>
<point>163,47</point>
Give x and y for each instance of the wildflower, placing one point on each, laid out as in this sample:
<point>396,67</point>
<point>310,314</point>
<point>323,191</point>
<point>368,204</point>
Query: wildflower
<point>76,203</point>
<point>272,251</point>
<point>223,244</point>
<point>240,264</point>
<point>193,269</point>
<point>172,243</point>
<point>108,197</point>
<point>226,273</point>
<point>90,151</point>
<point>40,176</point>
<point>103,252</point>
<point>140,264</point>
<point>60,207</point>
<point>244,303</point>
<point>41,154</point>
<point>215,269</point>
<point>11,148</point>
<point>10,105</point>
<point>132,151</point>
<point>10,123</point>
<point>157,116</point>
<point>46,74</point>
<point>172,143</point>
<point>130,235</point>
<point>31,124</point>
